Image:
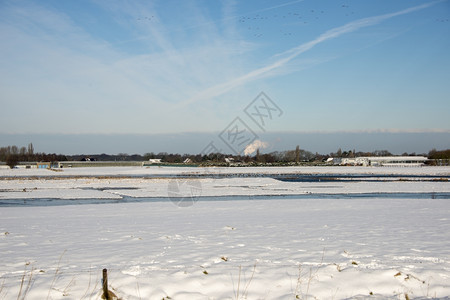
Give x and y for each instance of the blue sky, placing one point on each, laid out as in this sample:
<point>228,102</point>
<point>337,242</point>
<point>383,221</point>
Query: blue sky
<point>165,67</point>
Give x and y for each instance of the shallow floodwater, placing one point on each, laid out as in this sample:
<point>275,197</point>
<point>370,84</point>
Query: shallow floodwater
<point>279,176</point>
<point>192,200</point>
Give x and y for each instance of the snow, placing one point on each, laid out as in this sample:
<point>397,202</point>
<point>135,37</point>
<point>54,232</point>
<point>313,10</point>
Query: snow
<point>245,248</point>
<point>159,170</point>
<point>114,183</point>
<point>117,188</point>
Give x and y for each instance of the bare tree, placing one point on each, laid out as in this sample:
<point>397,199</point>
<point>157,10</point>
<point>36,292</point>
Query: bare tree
<point>14,150</point>
<point>12,160</point>
<point>30,149</point>
<point>23,151</point>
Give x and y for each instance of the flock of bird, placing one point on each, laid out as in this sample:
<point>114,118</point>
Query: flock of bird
<point>146,18</point>
<point>256,23</point>
<point>257,26</point>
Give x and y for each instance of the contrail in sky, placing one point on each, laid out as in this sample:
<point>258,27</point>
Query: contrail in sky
<point>222,88</point>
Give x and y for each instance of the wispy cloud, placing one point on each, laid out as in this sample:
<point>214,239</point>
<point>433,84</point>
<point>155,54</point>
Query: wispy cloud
<point>292,53</point>
<point>65,66</point>
<point>122,74</point>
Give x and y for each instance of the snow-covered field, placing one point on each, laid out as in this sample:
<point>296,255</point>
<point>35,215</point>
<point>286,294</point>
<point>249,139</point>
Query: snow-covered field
<point>245,248</point>
<point>155,170</point>
<point>114,183</point>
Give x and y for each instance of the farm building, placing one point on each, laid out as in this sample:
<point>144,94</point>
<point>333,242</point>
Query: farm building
<point>403,161</point>
<point>47,165</point>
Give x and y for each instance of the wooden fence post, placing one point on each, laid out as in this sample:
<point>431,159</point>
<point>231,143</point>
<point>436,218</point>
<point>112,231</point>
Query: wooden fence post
<point>105,284</point>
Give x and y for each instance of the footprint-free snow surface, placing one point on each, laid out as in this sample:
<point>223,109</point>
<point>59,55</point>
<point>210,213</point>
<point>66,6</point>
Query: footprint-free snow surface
<point>245,246</point>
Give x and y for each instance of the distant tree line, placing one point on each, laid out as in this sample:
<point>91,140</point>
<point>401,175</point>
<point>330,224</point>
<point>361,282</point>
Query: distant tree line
<point>353,153</point>
<point>279,156</point>
<point>289,157</point>
<point>440,158</point>
<point>434,154</point>
<point>12,155</point>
